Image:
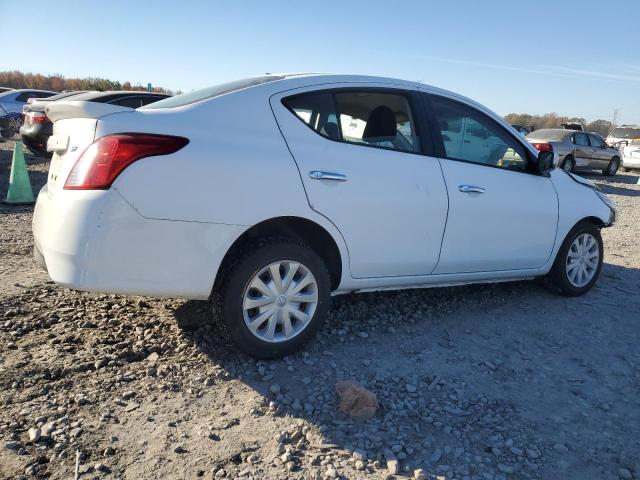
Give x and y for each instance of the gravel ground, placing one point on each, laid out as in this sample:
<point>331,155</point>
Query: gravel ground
<point>505,381</point>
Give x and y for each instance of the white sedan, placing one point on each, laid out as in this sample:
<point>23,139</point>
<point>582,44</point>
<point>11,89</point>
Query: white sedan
<point>270,194</point>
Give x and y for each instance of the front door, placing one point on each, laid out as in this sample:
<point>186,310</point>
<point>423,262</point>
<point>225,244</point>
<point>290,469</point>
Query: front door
<point>362,165</point>
<point>500,216</point>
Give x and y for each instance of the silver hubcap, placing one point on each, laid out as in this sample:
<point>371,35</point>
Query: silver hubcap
<point>613,167</point>
<point>582,260</point>
<point>568,166</point>
<point>280,301</point>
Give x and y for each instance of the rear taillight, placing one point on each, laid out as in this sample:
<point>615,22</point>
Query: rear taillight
<point>543,147</point>
<point>102,162</point>
<point>37,117</point>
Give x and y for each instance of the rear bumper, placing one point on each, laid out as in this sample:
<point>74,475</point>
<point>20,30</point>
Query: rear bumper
<point>95,241</point>
<point>35,137</point>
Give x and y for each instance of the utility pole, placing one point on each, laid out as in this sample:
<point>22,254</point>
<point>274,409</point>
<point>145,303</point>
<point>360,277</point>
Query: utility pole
<point>616,111</point>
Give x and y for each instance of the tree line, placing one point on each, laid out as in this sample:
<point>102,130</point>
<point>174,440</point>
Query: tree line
<point>58,83</point>
<point>553,120</point>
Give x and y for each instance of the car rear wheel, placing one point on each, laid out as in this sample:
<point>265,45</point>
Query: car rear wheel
<point>569,164</point>
<point>579,261</point>
<point>612,168</point>
<point>274,298</point>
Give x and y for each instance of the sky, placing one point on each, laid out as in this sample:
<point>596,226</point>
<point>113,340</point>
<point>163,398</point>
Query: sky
<point>573,57</point>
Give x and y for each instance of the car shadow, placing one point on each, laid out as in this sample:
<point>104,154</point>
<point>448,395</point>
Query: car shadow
<point>428,331</point>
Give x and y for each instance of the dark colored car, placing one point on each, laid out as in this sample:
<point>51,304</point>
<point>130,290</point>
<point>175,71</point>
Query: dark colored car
<point>37,128</point>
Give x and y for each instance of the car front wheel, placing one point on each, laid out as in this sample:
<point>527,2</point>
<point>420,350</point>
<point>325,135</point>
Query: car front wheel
<point>579,261</point>
<point>274,298</point>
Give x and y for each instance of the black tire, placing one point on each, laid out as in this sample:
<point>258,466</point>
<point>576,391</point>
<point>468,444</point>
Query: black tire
<point>558,275</point>
<point>612,168</point>
<point>569,164</point>
<point>227,298</point>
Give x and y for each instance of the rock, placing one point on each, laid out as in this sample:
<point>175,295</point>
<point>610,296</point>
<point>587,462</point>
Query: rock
<point>504,468</point>
<point>34,434</point>
<point>411,388</point>
<point>128,395</point>
<point>220,473</point>
<point>11,445</point>
<point>75,433</point>
<point>356,401</point>
<point>560,448</point>
<point>436,455</point>
<point>179,449</point>
<point>331,473</point>
<point>393,467</point>
<point>359,465</point>
<point>531,453</point>
<point>418,474</point>
<point>625,474</point>
<point>153,357</point>
<point>152,371</point>
<point>275,388</point>
<point>359,454</point>
<point>208,382</point>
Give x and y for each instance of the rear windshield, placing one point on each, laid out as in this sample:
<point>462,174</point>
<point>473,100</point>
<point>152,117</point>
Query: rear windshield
<point>549,134</point>
<point>625,132</point>
<point>210,92</point>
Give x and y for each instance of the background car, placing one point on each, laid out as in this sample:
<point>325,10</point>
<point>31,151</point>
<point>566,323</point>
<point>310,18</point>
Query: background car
<point>573,126</point>
<point>37,128</point>
<point>5,89</point>
<point>11,103</point>
<point>631,155</point>
<point>577,150</point>
<point>267,195</point>
<point>623,135</point>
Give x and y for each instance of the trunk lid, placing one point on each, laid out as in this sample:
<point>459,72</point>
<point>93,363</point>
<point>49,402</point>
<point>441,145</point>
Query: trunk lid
<point>74,129</point>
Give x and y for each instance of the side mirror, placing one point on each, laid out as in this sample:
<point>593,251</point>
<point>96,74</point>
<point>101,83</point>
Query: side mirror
<point>545,162</point>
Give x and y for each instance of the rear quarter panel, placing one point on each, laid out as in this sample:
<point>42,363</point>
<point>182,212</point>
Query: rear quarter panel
<point>236,168</point>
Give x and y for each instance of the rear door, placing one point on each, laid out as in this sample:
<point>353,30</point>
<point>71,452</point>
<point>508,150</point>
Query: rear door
<point>582,152</point>
<point>501,217</point>
<point>363,164</point>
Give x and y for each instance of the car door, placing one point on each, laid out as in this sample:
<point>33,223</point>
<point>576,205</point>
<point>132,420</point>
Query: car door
<point>582,149</point>
<point>501,217</point>
<point>600,157</point>
<point>362,163</point>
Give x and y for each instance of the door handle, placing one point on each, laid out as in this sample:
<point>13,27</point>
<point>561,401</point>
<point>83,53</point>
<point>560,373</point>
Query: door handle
<point>471,189</point>
<point>318,175</point>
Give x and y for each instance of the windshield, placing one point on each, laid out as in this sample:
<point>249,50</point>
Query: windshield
<point>210,92</point>
<point>625,132</point>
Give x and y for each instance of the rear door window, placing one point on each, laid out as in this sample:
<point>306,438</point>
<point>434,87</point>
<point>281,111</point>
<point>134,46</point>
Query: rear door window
<point>368,118</point>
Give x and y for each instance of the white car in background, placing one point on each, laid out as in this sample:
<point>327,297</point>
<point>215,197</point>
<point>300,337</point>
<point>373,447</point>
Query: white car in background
<point>623,135</point>
<point>268,195</point>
